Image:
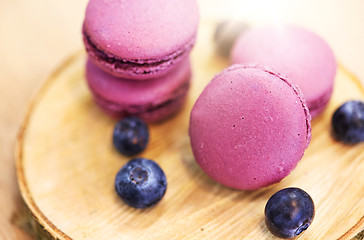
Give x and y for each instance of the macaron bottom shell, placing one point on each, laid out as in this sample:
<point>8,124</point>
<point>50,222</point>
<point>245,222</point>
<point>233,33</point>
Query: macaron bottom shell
<point>149,114</point>
<point>320,103</point>
<point>152,100</point>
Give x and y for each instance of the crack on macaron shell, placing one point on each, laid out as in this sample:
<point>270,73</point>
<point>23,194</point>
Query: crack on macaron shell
<point>295,88</point>
<point>134,67</point>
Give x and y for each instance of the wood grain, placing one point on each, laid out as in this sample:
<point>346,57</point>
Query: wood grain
<point>35,37</point>
<point>66,166</point>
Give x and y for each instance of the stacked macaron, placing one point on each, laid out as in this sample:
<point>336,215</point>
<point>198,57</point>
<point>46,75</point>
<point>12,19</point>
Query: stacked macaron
<point>138,55</point>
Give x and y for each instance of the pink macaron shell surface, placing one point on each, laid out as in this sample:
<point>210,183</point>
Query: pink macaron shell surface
<point>121,97</point>
<point>141,29</point>
<point>249,128</point>
<point>301,55</point>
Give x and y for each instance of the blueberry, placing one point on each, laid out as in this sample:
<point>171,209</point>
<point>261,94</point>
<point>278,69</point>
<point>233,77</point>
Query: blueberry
<point>348,122</point>
<point>289,212</point>
<point>130,136</point>
<point>141,183</point>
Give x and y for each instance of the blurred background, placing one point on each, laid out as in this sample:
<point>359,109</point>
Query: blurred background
<point>37,35</point>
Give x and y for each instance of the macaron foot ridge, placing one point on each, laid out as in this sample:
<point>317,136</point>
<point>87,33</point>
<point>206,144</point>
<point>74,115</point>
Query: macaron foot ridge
<point>139,69</point>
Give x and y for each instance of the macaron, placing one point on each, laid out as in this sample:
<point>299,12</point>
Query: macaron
<point>249,127</point>
<point>301,55</point>
<point>139,39</point>
<point>153,100</point>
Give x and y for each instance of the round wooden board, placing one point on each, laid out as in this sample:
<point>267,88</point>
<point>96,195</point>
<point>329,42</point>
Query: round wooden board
<point>66,166</point>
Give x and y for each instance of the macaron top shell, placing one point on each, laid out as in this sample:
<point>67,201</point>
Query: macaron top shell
<point>141,29</point>
<point>249,127</point>
<point>302,56</point>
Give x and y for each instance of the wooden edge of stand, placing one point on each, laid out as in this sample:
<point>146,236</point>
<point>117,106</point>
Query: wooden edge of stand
<point>49,229</point>
<point>356,230</point>
<point>352,76</point>
<point>36,213</point>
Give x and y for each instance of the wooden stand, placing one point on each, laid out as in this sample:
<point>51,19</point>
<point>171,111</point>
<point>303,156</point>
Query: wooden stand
<point>66,166</point>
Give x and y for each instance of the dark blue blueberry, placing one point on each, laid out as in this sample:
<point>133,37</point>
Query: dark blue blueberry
<point>348,122</point>
<point>289,212</point>
<point>130,136</point>
<point>141,183</point>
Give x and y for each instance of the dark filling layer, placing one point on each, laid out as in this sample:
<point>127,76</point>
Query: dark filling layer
<point>123,63</point>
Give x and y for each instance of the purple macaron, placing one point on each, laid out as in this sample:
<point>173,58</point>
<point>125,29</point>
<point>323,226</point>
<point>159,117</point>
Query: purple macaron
<point>140,39</point>
<point>249,127</point>
<point>301,55</point>
<point>153,100</point>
